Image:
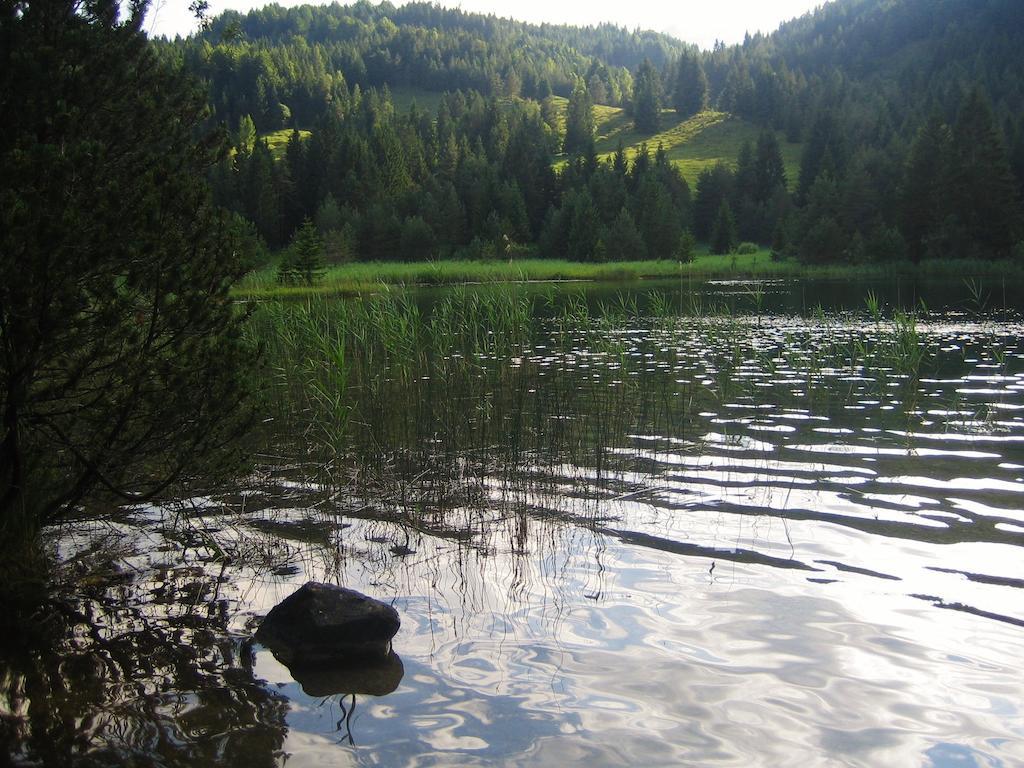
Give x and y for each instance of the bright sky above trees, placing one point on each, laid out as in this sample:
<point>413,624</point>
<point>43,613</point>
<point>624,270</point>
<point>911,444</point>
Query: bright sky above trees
<point>695,21</point>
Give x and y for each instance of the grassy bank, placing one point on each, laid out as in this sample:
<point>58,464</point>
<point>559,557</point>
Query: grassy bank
<point>364,276</point>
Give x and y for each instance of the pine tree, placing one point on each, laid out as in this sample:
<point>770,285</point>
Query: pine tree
<point>579,121</point>
<point>622,239</point>
<point>690,91</point>
<point>122,364</point>
<point>647,98</point>
<point>304,261</point>
<point>926,197</point>
<point>769,169</point>
<point>723,236</point>
<point>246,138</point>
<point>983,185</point>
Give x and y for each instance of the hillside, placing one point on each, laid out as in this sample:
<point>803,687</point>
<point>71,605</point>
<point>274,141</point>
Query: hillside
<point>879,64</point>
<point>869,130</point>
<point>692,143</point>
<point>277,64</point>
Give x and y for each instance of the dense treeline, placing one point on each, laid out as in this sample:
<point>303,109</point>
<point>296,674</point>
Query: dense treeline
<point>909,115</point>
<point>474,180</point>
<point>878,66</point>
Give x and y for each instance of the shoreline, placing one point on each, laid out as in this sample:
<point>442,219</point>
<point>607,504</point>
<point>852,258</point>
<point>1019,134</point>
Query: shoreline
<point>358,277</point>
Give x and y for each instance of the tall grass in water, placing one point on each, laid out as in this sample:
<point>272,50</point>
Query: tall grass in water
<point>434,400</point>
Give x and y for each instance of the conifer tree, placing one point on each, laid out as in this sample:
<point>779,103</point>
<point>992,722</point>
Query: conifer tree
<point>926,197</point>
<point>622,239</point>
<point>690,90</point>
<point>769,169</point>
<point>687,247</point>
<point>713,186</point>
<point>658,220</point>
<point>824,152</point>
<point>304,261</point>
<point>120,352</point>
<point>984,188</point>
<point>723,236</point>
<point>647,98</point>
<point>579,121</point>
<point>246,138</point>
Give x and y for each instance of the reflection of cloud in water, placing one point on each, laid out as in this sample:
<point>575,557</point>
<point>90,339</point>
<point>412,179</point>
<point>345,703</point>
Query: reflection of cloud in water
<point>718,543</point>
<point>506,655</point>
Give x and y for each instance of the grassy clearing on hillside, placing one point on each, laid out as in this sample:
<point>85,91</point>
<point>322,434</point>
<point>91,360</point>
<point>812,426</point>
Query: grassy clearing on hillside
<point>356,277</point>
<point>278,140</point>
<point>692,144</point>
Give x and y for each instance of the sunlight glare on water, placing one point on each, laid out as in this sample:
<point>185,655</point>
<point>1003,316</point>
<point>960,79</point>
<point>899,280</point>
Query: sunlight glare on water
<point>720,538</point>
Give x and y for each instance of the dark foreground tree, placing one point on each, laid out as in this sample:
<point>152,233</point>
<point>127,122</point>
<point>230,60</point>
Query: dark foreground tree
<point>120,350</point>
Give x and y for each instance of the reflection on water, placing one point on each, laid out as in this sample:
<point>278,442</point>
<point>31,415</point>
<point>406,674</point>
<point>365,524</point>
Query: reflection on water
<point>632,535</point>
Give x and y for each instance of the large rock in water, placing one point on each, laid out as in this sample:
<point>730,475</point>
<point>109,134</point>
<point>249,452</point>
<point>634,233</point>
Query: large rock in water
<point>323,623</point>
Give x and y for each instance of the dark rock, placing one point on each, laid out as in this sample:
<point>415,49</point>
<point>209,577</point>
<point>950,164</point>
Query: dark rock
<point>372,678</point>
<point>321,623</point>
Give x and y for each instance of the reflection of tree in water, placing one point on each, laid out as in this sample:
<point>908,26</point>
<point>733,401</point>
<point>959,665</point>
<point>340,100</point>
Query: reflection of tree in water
<point>111,676</point>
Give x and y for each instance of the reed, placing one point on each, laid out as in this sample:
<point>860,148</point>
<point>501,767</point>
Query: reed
<point>429,400</point>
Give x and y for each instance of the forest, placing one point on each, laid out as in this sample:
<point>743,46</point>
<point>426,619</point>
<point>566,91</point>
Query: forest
<point>908,119</point>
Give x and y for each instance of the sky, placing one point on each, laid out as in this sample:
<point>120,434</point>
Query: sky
<point>694,21</point>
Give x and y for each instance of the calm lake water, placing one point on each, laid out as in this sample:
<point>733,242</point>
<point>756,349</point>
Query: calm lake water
<point>720,524</point>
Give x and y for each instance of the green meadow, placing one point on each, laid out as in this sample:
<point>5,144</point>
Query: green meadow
<point>362,276</point>
<point>692,144</point>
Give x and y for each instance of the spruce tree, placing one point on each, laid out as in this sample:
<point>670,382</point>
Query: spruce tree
<point>246,137</point>
<point>658,219</point>
<point>983,185</point>
<point>304,261</point>
<point>622,239</point>
<point>647,98</point>
<point>824,152</point>
<point>687,247</point>
<point>579,121</point>
<point>584,226</point>
<point>714,185</point>
<point>723,236</point>
<point>690,90</point>
<point>926,197</point>
<point>769,169</point>
<point>821,237</point>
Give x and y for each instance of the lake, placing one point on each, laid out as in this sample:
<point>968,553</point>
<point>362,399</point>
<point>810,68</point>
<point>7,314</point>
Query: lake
<point>728,523</point>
